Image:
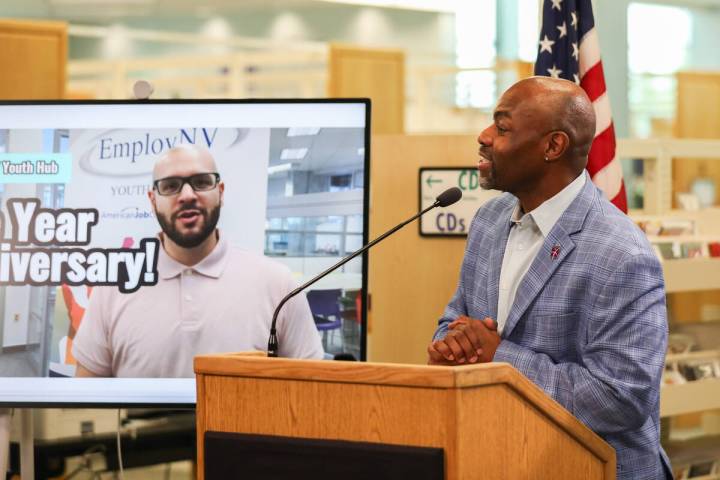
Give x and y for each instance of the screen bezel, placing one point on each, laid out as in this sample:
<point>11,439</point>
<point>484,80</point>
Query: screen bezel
<point>224,101</point>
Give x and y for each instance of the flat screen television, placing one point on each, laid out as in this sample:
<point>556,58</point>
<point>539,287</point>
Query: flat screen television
<point>75,177</point>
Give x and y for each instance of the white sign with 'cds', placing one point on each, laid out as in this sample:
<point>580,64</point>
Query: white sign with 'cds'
<point>455,219</point>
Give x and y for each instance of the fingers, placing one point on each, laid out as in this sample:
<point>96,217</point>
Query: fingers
<point>463,342</point>
<point>473,337</point>
<point>461,320</point>
<point>444,350</point>
<point>476,332</point>
<point>435,357</point>
<point>439,353</point>
<point>461,346</point>
<point>490,323</point>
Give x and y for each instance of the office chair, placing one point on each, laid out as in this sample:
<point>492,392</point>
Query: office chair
<point>325,307</point>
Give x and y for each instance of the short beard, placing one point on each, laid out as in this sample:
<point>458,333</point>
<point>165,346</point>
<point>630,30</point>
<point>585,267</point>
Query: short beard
<point>193,240</point>
<point>489,182</point>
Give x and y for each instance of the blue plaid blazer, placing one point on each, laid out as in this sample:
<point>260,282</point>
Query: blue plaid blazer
<point>588,326</point>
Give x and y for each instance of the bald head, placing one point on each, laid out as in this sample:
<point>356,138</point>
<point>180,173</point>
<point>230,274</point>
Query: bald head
<point>178,159</point>
<point>563,106</point>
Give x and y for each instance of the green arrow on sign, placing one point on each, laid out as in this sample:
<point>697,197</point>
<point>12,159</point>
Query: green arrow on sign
<point>431,180</point>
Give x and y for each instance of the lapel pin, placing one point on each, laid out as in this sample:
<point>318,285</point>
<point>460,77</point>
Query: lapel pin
<point>555,252</point>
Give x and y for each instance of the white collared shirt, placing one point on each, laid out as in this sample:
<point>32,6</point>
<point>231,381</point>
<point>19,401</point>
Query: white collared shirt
<point>527,235</point>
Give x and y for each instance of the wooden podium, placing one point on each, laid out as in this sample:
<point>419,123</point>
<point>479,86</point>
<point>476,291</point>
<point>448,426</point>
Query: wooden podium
<point>491,421</point>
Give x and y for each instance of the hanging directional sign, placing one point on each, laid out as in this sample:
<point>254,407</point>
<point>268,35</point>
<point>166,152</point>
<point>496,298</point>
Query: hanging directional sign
<point>455,219</point>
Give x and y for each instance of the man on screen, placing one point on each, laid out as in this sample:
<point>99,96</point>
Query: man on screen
<point>210,297</point>
<point>557,281</point>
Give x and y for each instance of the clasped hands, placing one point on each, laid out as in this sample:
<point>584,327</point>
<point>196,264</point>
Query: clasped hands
<point>468,341</point>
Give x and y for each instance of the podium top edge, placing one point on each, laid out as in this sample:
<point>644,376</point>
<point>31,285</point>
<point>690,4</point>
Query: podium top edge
<point>257,365</point>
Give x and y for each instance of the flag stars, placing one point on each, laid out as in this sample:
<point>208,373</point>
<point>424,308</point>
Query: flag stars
<point>563,29</point>
<point>576,78</point>
<point>575,52</point>
<point>556,4</point>
<point>574,20</point>
<point>554,71</point>
<point>546,45</point>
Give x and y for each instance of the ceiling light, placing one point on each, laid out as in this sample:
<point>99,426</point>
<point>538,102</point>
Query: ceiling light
<point>293,153</point>
<point>283,167</point>
<point>302,131</point>
<point>421,5</point>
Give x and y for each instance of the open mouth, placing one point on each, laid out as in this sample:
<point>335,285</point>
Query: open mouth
<point>484,164</point>
<point>187,217</point>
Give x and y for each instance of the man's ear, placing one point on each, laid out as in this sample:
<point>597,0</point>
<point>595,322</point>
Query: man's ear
<point>221,186</point>
<point>557,144</point>
<point>151,196</point>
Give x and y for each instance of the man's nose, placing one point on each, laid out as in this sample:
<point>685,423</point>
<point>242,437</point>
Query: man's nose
<point>485,138</point>
<point>186,193</point>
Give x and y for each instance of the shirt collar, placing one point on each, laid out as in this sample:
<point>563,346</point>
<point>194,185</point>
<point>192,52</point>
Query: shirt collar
<point>210,266</point>
<point>547,214</point>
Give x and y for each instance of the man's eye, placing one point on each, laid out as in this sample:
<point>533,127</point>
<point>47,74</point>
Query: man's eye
<point>170,184</point>
<point>500,129</point>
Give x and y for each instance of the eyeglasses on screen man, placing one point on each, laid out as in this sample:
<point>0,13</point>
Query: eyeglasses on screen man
<point>200,182</point>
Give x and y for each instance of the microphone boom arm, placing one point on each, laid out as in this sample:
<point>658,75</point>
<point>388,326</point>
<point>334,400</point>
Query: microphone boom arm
<point>273,342</point>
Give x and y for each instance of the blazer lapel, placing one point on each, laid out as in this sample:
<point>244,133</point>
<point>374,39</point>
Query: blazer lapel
<point>555,249</point>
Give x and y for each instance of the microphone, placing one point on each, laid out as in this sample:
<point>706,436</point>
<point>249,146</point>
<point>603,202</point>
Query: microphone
<point>446,198</point>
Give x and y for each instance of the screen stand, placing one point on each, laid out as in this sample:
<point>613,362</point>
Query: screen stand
<point>27,462</point>
<point>5,423</point>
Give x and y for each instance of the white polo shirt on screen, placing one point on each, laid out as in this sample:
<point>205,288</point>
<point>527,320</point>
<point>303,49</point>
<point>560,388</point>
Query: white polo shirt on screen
<point>225,303</point>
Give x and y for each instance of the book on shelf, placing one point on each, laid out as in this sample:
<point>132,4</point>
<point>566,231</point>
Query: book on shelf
<point>699,369</point>
<point>701,365</point>
<point>667,227</point>
<point>665,250</point>
<point>693,250</point>
<point>697,469</point>
<point>675,249</point>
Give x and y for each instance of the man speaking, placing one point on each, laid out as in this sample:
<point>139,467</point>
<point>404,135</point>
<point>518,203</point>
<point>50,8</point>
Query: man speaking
<point>210,297</point>
<point>557,281</point>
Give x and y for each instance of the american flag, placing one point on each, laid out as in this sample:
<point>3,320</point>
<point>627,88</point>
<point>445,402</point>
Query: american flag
<point>569,49</point>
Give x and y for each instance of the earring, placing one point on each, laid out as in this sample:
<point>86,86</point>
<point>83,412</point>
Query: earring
<point>546,159</point>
